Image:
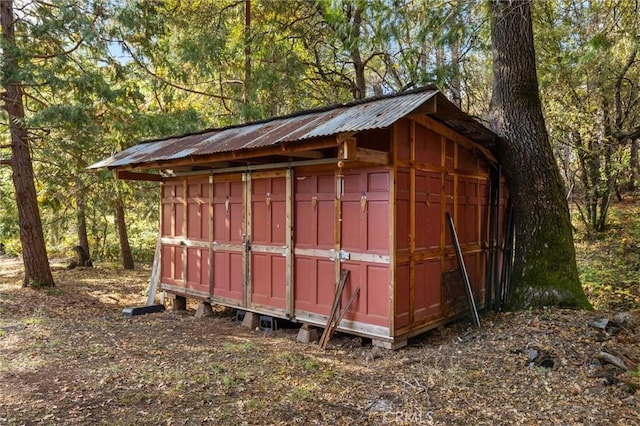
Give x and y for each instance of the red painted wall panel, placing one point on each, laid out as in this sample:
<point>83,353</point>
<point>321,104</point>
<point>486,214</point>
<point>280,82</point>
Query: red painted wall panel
<point>402,209</point>
<point>198,269</point>
<point>365,213</point>
<point>171,267</point>
<point>428,146</point>
<point>428,286</point>
<point>198,225</point>
<point>228,276</point>
<point>467,218</point>
<point>402,294</point>
<point>372,304</point>
<point>402,139</point>
<point>198,211</point>
<point>314,284</point>
<point>428,210</point>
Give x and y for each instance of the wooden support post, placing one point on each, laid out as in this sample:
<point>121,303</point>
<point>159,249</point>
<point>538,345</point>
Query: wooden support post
<point>204,310</point>
<point>155,272</point>
<point>180,303</point>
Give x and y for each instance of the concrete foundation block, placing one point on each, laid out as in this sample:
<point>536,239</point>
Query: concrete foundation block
<point>204,310</point>
<point>251,320</point>
<point>307,334</point>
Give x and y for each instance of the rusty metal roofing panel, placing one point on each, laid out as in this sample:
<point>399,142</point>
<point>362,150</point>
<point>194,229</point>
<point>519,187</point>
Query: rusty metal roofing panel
<point>145,152</point>
<point>347,118</point>
<point>370,115</point>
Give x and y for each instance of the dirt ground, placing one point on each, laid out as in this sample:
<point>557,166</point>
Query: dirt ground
<point>69,356</point>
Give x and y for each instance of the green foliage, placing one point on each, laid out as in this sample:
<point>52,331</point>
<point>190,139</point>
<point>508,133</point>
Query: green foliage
<point>9,230</point>
<point>588,54</point>
<point>609,265</point>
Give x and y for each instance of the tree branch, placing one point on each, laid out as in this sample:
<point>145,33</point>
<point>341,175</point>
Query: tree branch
<point>63,53</point>
<point>619,80</point>
<point>169,83</point>
<point>632,134</point>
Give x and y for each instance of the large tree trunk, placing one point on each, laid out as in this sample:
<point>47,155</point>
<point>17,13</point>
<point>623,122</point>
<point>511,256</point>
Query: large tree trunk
<point>125,248</point>
<point>37,272</point>
<point>544,272</point>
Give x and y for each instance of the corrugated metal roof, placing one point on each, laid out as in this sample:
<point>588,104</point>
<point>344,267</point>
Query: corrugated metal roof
<point>347,118</point>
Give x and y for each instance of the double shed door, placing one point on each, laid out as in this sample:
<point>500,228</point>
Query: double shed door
<point>251,257</point>
<point>342,223</point>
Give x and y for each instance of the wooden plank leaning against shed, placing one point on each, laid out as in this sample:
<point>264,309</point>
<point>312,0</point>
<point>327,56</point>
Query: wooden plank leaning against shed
<point>335,316</point>
<point>463,272</point>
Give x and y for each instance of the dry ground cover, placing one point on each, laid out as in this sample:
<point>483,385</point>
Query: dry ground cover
<point>68,356</point>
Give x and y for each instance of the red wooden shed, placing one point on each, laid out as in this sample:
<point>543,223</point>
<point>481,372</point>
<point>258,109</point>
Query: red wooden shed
<point>264,216</point>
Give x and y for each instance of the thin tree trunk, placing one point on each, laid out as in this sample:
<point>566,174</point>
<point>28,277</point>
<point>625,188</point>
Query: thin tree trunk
<point>360,89</point>
<point>81,218</point>
<point>544,271</point>
<point>247,52</point>
<point>455,85</point>
<point>37,272</point>
<point>125,248</point>
<point>634,163</point>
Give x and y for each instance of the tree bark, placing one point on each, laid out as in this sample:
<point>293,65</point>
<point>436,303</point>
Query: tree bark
<point>544,271</point>
<point>125,248</point>
<point>37,272</point>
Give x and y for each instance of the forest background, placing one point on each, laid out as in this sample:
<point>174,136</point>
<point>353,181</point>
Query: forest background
<point>100,76</point>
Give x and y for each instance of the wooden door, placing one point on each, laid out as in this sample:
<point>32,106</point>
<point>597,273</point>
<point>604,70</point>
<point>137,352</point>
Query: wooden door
<point>229,244</point>
<point>268,240</point>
